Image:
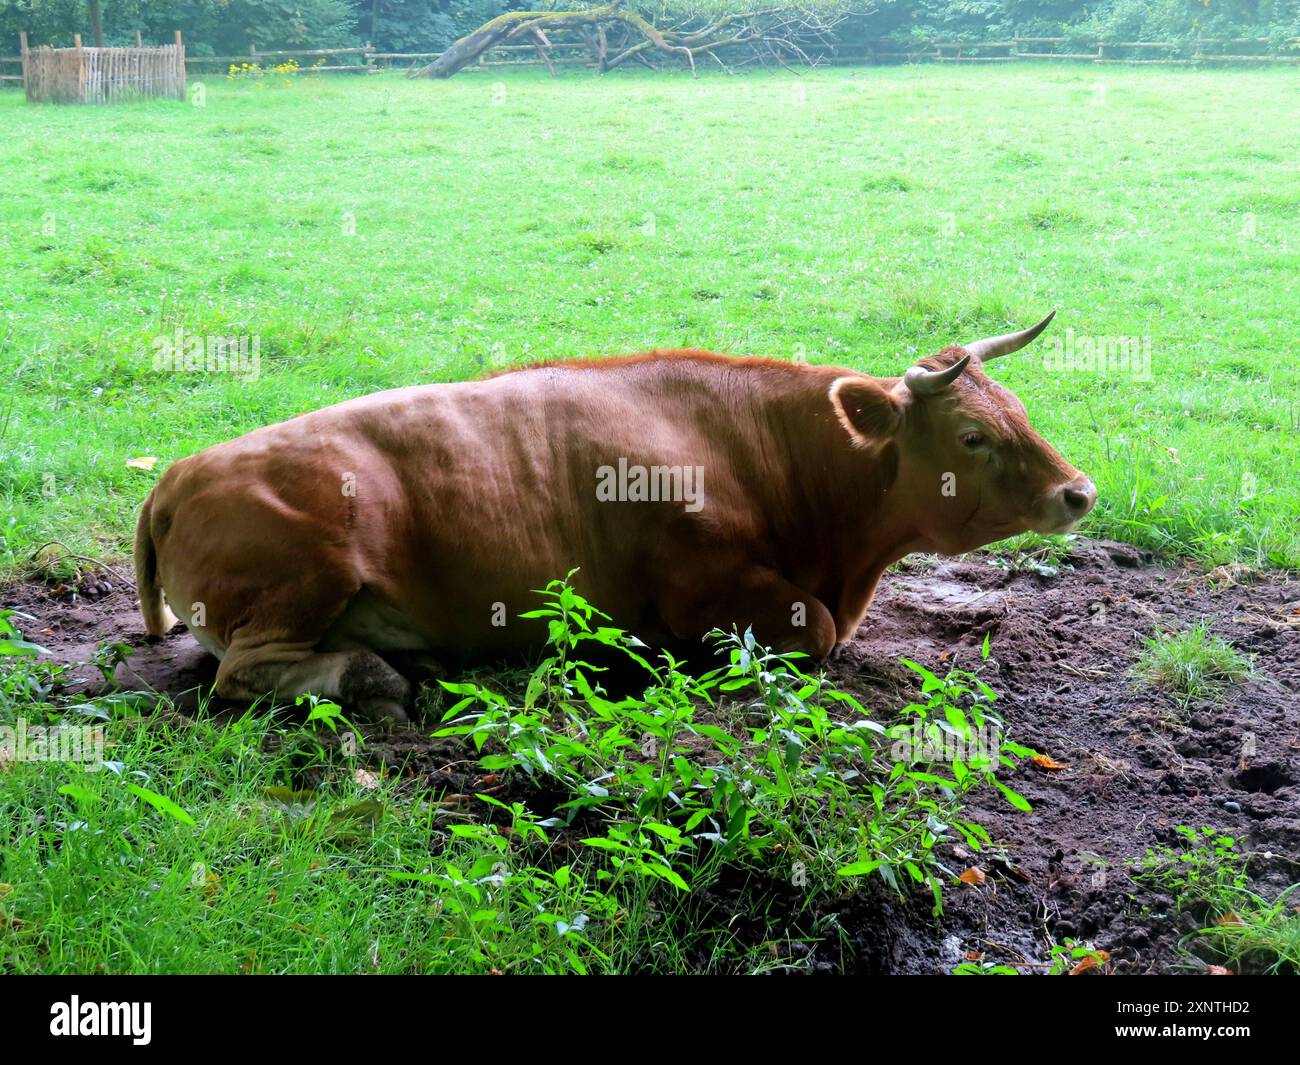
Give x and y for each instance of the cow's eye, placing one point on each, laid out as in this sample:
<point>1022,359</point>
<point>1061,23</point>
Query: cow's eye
<point>972,440</point>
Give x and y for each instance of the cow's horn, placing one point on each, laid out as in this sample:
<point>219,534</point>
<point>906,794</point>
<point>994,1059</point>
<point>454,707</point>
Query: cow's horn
<point>992,347</point>
<point>923,382</point>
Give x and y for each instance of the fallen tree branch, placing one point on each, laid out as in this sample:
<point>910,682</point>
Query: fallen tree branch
<point>775,33</point>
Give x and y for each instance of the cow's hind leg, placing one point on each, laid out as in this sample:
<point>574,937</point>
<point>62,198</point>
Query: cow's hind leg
<point>357,678</point>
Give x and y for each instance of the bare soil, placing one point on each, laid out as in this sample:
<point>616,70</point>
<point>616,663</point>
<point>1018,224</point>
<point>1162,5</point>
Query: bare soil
<point>1136,764</point>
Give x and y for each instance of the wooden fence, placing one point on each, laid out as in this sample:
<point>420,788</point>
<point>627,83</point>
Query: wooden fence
<point>1165,53</point>
<point>1169,53</point>
<point>367,60</point>
<point>102,75</point>
<point>324,59</point>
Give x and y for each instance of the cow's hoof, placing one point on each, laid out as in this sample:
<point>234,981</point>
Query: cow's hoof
<point>383,711</point>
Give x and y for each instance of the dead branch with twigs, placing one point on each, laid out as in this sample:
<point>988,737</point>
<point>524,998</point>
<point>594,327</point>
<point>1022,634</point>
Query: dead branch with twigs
<point>614,35</point>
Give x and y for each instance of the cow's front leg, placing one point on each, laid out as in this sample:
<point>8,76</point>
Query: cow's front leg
<point>358,679</point>
<point>782,615</point>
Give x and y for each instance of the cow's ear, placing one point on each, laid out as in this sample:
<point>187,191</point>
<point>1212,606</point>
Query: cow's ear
<point>869,412</point>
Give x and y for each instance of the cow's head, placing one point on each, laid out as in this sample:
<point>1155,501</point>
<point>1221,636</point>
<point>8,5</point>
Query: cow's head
<point>970,470</point>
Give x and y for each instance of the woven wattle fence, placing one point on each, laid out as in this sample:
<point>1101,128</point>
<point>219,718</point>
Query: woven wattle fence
<point>102,75</point>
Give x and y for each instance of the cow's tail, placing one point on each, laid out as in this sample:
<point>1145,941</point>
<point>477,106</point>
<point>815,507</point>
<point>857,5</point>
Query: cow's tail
<point>157,618</point>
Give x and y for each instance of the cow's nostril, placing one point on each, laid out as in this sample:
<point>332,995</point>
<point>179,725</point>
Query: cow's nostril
<point>1079,496</point>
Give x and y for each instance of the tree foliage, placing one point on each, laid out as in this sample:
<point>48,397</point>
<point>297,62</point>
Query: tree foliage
<point>212,27</point>
<point>230,26</point>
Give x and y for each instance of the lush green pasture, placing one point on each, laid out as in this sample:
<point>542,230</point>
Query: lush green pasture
<point>385,232</point>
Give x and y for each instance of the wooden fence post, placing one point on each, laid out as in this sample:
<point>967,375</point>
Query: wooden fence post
<point>81,68</point>
<point>22,48</point>
<point>180,66</point>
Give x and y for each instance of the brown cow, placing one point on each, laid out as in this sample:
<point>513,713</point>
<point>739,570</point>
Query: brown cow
<point>693,490</point>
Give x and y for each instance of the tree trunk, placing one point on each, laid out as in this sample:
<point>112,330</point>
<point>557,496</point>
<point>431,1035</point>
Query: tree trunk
<point>504,28</point>
<point>96,24</point>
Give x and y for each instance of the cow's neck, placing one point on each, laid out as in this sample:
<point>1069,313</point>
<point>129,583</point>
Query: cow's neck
<point>841,517</point>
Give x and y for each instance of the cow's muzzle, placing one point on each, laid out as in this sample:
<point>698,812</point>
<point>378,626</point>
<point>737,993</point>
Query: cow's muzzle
<point>1067,504</point>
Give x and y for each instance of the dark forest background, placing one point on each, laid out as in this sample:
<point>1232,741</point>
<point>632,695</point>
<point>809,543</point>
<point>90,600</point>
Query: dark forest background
<point>221,27</point>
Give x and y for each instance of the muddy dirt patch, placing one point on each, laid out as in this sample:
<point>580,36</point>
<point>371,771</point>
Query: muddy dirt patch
<point>1134,764</point>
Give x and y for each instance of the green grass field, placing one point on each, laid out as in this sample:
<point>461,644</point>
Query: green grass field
<point>375,233</point>
<point>387,232</point>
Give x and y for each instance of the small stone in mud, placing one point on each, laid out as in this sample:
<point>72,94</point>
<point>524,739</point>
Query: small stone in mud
<point>1232,807</point>
<point>1137,937</point>
<point>1123,555</point>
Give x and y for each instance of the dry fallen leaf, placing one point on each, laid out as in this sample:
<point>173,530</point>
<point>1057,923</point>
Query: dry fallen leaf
<point>1092,961</point>
<point>973,876</point>
<point>1046,761</point>
<point>974,955</point>
<point>144,462</point>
